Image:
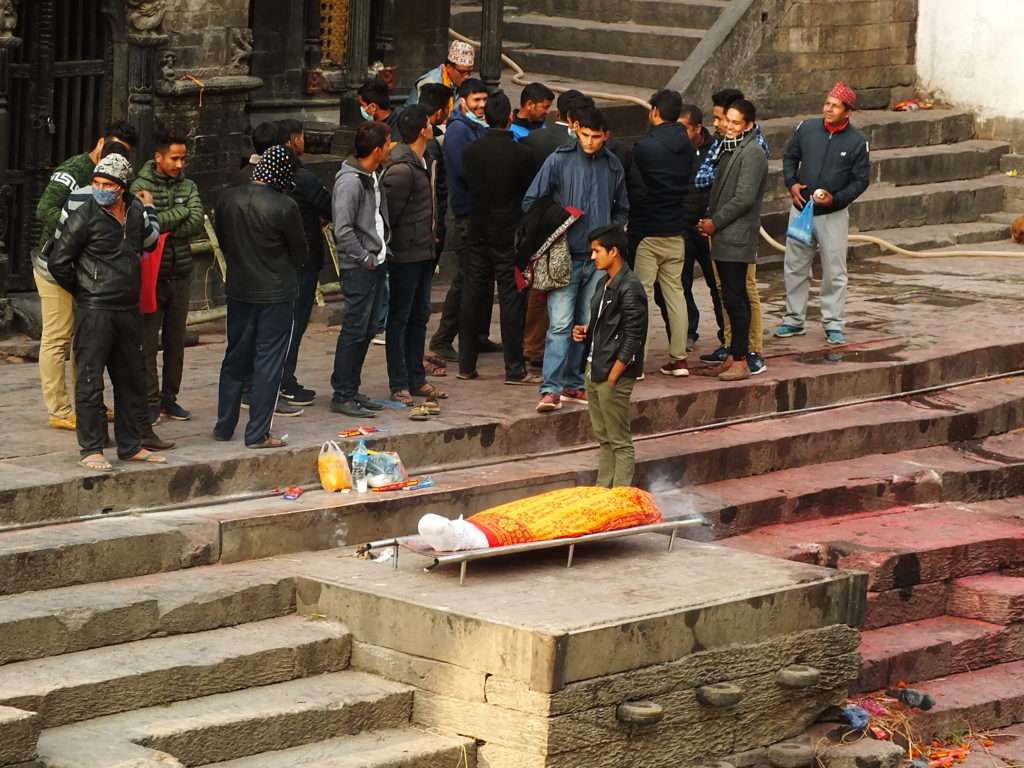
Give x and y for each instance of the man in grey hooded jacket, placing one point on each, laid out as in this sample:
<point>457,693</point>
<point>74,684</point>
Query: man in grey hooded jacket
<point>361,235</point>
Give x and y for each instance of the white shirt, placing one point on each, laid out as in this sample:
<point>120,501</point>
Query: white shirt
<point>378,220</point>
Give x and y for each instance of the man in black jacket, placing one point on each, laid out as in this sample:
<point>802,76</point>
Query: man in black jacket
<point>826,161</point>
<point>260,229</point>
<point>96,260</point>
<point>615,341</point>
<point>498,173</point>
<point>315,207</point>
<point>410,259</point>
<point>663,164</point>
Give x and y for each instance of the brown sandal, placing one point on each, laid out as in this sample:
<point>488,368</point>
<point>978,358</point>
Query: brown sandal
<point>420,413</point>
<point>431,392</point>
<point>402,396</point>
<point>269,442</point>
<point>435,366</point>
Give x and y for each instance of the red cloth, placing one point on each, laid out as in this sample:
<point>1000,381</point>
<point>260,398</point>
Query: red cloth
<point>838,127</point>
<point>150,272</point>
<point>845,94</point>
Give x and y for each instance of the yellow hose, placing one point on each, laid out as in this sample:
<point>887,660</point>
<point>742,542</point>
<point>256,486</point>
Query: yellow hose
<point>518,79</point>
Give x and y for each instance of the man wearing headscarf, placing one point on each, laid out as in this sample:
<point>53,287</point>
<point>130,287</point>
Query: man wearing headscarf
<point>260,230</point>
<point>455,70</point>
<point>97,260</point>
<point>827,163</point>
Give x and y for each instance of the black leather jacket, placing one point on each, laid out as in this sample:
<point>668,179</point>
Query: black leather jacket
<point>96,258</point>
<point>618,326</point>
<point>260,231</point>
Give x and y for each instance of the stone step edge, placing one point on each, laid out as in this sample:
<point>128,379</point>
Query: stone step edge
<point>238,724</point>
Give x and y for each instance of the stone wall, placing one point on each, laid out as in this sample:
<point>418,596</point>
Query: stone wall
<point>786,54</point>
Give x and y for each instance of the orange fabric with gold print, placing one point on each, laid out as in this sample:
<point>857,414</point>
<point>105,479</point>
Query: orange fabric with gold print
<point>566,513</point>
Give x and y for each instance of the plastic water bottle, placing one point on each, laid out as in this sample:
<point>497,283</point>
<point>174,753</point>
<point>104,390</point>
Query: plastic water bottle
<point>360,457</point>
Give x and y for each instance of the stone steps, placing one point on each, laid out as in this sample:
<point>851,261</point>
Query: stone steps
<point>934,236</point>
<point>884,129</point>
<point>908,166</point>
<point>70,619</point>
<point>406,748</point>
<point>229,726</point>
<point>89,684</point>
<point>645,71</point>
<point>267,527</point>
<point>931,648</point>
<point>993,597</point>
<point>669,13</point>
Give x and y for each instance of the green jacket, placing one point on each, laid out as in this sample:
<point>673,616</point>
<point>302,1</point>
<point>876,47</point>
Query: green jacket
<point>180,211</point>
<point>73,173</point>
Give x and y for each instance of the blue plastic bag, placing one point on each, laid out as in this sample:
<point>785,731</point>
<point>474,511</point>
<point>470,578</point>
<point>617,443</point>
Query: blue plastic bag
<point>802,228</point>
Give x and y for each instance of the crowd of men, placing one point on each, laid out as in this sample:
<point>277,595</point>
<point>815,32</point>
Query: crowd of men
<point>577,232</point>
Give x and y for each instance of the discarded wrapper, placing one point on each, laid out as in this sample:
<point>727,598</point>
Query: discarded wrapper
<point>293,493</point>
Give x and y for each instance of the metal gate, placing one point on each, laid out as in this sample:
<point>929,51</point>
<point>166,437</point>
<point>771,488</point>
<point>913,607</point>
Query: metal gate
<point>60,97</point>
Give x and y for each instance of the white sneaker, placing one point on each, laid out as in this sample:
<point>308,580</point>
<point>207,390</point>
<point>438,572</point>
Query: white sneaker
<point>379,340</point>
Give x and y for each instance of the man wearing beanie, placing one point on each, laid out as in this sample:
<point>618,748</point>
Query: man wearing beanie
<point>260,230</point>
<point>96,260</point>
<point>455,70</point>
<point>826,163</point>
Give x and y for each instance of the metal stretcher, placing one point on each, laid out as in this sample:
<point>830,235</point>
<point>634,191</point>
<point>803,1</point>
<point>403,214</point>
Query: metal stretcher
<point>464,558</point>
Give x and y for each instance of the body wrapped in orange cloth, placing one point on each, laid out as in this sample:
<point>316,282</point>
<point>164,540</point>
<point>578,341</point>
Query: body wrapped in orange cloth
<point>566,513</point>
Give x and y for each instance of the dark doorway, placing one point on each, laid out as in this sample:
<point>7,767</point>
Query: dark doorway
<point>60,98</point>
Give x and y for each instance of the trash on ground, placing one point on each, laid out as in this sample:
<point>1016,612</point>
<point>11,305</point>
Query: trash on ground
<point>334,471</point>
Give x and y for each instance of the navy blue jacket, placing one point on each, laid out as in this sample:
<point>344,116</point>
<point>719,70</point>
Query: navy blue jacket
<point>595,184</point>
<point>663,165</point>
<point>461,132</point>
<point>838,163</point>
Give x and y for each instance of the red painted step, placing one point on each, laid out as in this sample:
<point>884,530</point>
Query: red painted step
<point>898,606</point>
<point>981,700</point>
<point>989,597</point>
<point>904,546</point>
<point>931,648</point>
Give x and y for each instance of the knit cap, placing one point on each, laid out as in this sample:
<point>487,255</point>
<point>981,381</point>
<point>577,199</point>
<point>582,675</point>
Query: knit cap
<point>276,169</point>
<point>115,168</point>
<point>461,54</point>
<point>845,94</point>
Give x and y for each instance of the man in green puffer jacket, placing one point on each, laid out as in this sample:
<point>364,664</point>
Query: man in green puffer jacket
<point>180,211</point>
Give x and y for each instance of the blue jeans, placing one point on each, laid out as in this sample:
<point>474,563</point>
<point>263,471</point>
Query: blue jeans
<point>364,291</point>
<point>407,323</point>
<point>569,306</point>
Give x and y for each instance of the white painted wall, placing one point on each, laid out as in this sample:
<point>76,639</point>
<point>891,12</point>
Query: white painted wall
<point>970,53</point>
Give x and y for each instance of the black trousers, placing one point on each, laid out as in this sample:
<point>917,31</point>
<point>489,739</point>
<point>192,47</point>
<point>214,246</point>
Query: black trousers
<point>258,338</point>
<point>165,329</point>
<point>308,280</point>
<point>698,252</point>
<point>109,340</point>
<point>448,327</point>
<point>408,316</point>
<point>487,262</point>
<point>737,305</point>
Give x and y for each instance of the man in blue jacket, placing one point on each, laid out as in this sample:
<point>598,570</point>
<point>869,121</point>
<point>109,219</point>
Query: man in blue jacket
<point>827,161</point>
<point>466,126</point>
<point>586,176</point>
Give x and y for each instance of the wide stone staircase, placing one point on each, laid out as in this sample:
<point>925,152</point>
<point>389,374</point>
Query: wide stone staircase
<point>171,637</point>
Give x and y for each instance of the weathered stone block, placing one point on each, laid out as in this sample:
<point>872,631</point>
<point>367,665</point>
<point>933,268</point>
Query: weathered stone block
<point>863,753</point>
<point>19,732</point>
<point>425,674</point>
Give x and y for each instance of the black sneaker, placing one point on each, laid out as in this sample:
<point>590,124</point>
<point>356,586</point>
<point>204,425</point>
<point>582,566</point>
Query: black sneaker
<point>367,402</point>
<point>175,411</point>
<point>287,409</point>
<point>718,356</point>
<point>245,400</point>
<point>756,363</point>
<point>351,408</point>
<point>298,395</point>
<point>154,415</point>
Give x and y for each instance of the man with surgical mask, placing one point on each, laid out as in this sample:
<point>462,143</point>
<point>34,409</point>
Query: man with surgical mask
<point>97,260</point>
<point>466,126</point>
<point>375,104</point>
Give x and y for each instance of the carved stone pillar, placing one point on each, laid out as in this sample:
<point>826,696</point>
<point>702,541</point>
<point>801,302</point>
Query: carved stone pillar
<point>8,25</point>
<point>312,48</point>
<point>145,37</point>
<point>491,41</point>
<point>356,60</point>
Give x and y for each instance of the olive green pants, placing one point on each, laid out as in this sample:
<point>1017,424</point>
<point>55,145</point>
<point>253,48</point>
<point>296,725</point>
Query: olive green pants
<point>609,418</point>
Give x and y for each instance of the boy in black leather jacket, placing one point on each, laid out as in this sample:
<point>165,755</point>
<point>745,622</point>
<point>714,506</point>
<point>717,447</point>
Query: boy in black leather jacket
<point>615,342</point>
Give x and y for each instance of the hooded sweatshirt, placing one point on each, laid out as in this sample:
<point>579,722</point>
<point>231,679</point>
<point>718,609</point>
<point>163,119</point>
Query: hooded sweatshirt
<point>361,231</point>
<point>663,163</point>
<point>461,132</point>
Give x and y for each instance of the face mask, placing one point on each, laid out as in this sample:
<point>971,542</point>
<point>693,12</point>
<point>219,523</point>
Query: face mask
<point>478,120</point>
<point>106,197</point>
<point>365,115</point>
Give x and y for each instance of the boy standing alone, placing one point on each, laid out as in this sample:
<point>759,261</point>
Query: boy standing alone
<point>615,341</point>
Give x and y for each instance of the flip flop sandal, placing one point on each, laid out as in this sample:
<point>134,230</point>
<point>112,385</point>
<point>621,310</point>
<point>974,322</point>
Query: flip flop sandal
<point>420,413</point>
<point>269,442</point>
<point>147,457</point>
<point>402,396</point>
<point>432,407</point>
<point>96,463</point>
<point>431,392</point>
<point>434,366</point>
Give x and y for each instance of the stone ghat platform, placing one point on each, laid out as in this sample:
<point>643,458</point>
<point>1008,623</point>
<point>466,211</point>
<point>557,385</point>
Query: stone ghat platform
<point>913,323</point>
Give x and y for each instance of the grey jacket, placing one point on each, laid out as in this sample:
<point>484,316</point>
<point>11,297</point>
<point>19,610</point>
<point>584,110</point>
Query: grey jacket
<point>735,202</point>
<point>355,229</point>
